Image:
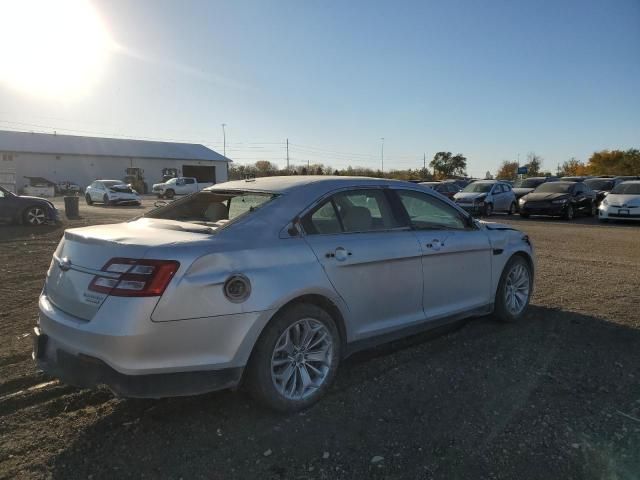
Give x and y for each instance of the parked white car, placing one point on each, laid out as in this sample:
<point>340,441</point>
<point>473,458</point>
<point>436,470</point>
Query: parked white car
<point>270,282</point>
<point>179,186</point>
<point>487,196</point>
<point>622,203</point>
<point>111,192</point>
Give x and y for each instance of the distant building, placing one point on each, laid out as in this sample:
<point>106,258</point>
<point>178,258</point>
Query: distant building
<point>70,158</point>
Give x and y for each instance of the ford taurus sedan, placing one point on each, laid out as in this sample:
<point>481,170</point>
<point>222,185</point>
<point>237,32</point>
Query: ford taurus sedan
<point>270,283</point>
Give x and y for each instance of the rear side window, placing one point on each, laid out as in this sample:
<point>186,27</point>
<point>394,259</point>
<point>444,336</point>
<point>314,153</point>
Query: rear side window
<point>427,213</point>
<point>352,212</point>
<point>189,181</point>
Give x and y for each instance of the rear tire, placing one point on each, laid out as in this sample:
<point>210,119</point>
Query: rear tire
<point>87,198</point>
<point>279,366</point>
<point>514,290</point>
<point>105,199</point>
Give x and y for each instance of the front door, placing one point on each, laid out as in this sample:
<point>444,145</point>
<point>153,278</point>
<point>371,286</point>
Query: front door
<point>372,260</point>
<point>456,257</point>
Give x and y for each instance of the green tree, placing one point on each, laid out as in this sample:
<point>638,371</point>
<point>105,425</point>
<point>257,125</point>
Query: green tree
<point>615,162</point>
<point>445,164</point>
<point>534,163</point>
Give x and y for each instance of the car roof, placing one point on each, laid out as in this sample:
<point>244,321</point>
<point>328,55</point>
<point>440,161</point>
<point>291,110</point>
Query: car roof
<point>109,180</point>
<point>629,181</point>
<point>287,183</point>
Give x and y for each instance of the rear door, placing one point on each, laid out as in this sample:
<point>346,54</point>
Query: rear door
<point>370,257</point>
<point>456,256</point>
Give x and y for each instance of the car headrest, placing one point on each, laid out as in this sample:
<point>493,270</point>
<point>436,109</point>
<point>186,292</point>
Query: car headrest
<point>216,211</point>
<point>357,219</point>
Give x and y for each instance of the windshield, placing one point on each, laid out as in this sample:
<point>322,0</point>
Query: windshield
<point>478,187</point>
<point>112,183</point>
<point>529,183</point>
<point>597,184</point>
<point>173,180</point>
<point>212,207</point>
<point>627,189</point>
<point>555,187</point>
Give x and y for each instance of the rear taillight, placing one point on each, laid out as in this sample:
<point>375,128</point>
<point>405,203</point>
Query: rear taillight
<point>135,277</point>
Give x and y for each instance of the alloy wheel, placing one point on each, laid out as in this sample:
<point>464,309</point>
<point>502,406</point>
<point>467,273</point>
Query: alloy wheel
<point>301,359</point>
<point>517,289</point>
<point>36,216</point>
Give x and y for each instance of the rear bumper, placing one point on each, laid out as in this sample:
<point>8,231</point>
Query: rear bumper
<point>89,372</point>
<point>121,347</point>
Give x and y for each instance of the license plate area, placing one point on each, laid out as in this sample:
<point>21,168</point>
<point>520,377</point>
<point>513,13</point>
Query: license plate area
<point>623,212</point>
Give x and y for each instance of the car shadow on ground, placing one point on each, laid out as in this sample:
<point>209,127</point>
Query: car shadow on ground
<point>554,396</point>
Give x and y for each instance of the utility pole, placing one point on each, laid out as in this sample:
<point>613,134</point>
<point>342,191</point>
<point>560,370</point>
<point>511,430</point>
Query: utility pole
<point>224,140</point>
<point>424,161</point>
<point>382,155</point>
<point>287,154</point>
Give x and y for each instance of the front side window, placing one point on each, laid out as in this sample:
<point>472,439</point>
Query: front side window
<point>189,181</point>
<point>356,211</point>
<point>427,213</point>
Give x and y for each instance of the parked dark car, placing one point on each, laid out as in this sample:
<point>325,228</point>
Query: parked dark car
<point>578,178</point>
<point>448,189</point>
<point>459,182</point>
<point>27,210</point>
<point>602,186</point>
<point>559,199</point>
<point>528,185</point>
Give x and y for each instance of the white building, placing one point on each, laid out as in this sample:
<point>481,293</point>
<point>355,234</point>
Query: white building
<point>81,160</point>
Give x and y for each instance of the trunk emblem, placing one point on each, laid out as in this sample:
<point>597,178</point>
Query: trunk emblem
<point>64,264</point>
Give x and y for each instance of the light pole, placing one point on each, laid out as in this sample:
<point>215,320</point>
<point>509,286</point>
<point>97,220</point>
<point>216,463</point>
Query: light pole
<point>224,140</point>
<point>382,155</point>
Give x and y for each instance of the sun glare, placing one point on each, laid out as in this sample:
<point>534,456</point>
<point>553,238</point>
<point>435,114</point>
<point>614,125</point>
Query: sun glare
<point>55,49</point>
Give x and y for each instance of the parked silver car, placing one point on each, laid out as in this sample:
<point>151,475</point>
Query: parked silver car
<point>487,196</point>
<point>622,203</point>
<point>270,282</point>
<point>111,192</point>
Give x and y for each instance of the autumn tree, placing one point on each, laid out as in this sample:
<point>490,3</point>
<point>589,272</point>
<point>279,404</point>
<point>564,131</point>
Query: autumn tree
<point>445,164</point>
<point>572,167</point>
<point>615,162</point>
<point>508,170</point>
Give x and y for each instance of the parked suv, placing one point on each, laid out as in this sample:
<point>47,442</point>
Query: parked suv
<point>487,196</point>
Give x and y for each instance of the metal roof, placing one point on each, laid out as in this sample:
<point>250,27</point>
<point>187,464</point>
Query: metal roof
<point>26,142</point>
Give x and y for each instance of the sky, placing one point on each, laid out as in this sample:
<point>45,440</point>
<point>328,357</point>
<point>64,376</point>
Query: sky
<point>492,80</point>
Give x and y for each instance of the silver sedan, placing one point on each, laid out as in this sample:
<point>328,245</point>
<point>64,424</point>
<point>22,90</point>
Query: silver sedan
<point>271,283</point>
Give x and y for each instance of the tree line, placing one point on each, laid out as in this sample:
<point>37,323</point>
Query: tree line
<point>604,162</point>
<point>443,165</point>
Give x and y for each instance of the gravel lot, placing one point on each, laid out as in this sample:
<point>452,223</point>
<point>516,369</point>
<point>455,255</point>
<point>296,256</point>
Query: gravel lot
<point>555,396</point>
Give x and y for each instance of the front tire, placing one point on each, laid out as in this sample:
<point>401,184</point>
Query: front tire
<point>295,359</point>
<point>593,210</point>
<point>105,199</point>
<point>512,209</point>
<point>87,198</point>
<point>169,194</point>
<point>569,214</point>
<point>35,216</point>
<point>514,290</point>
<point>488,210</point>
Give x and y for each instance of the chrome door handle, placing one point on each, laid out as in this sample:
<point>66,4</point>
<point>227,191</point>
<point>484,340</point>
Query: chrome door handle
<point>339,254</point>
<point>435,244</point>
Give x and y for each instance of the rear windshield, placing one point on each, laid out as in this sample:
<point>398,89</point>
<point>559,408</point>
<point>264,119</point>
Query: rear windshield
<point>627,189</point>
<point>212,207</point>
<point>529,183</point>
<point>478,187</point>
<point>597,184</point>
<point>555,187</point>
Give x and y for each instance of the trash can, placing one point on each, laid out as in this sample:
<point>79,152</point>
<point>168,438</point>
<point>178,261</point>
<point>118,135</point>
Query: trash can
<point>71,207</point>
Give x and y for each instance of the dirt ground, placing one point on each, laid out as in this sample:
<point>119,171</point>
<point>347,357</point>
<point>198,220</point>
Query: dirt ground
<point>554,396</point>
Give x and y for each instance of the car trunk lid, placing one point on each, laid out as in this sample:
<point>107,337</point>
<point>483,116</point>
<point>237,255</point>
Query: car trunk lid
<point>82,254</point>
